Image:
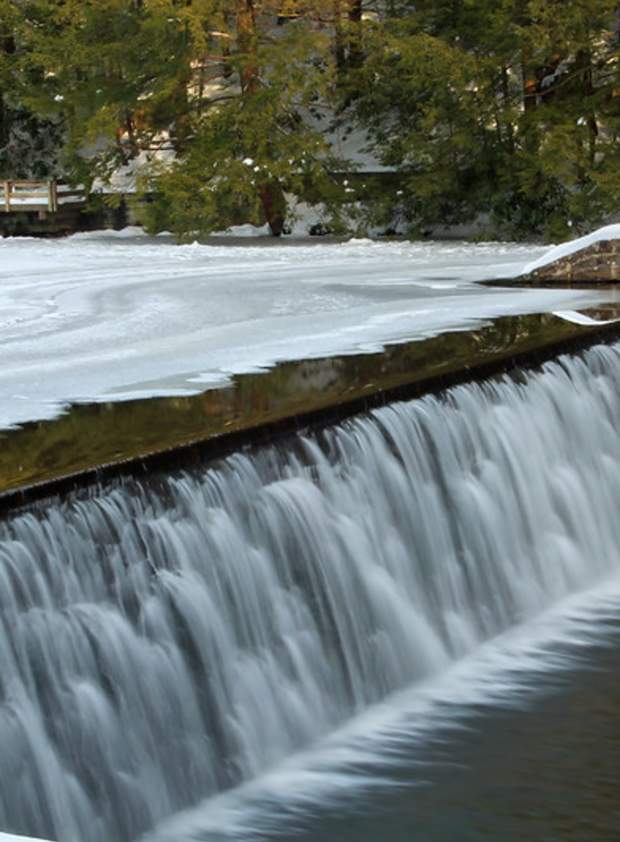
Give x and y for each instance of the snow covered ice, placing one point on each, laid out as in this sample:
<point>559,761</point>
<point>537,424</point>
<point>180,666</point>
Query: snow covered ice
<point>111,316</point>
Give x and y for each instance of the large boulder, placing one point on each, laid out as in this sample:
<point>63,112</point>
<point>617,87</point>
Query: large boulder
<point>591,259</point>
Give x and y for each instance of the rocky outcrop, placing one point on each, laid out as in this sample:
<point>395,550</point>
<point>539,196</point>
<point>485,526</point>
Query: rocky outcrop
<point>598,262</point>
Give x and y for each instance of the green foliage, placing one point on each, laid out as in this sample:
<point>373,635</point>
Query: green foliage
<point>251,149</point>
<point>29,145</point>
<point>115,71</point>
<point>504,110</point>
<point>206,82</point>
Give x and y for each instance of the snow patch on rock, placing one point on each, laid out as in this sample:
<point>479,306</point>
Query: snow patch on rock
<point>246,230</point>
<point>581,318</point>
<point>609,232</point>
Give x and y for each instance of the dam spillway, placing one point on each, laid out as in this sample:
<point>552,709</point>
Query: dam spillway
<point>162,641</point>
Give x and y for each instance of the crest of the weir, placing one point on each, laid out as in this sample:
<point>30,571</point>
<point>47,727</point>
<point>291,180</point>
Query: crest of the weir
<point>162,643</point>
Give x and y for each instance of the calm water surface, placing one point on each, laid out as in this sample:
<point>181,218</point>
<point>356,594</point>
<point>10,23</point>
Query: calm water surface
<point>548,770</point>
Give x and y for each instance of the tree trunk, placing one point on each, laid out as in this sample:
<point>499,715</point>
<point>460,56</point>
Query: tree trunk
<point>528,70</point>
<point>247,41</point>
<point>530,82</point>
<point>274,206</point>
<point>506,102</point>
<point>339,43</point>
<point>355,33</point>
<point>3,122</point>
<point>270,194</point>
<point>7,46</point>
<point>583,62</point>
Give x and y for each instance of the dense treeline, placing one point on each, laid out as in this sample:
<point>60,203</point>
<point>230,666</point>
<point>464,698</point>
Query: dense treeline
<point>505,111</point>
<point>503,107</point>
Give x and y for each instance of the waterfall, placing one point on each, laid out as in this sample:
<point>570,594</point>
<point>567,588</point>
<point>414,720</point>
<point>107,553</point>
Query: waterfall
<point>164,640</point>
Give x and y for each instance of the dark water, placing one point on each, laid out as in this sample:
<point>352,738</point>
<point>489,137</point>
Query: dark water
<point>91,435</point>
<point>533,754</point>
<point>547,769</point>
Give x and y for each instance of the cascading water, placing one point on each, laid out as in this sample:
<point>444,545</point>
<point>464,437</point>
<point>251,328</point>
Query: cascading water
<point>163,642</point>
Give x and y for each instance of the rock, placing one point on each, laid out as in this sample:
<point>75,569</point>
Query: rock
<point>591,259</point>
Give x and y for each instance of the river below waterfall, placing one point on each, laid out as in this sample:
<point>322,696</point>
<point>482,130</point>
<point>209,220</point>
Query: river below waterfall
<point>522,743</point>
<point>353,634</point>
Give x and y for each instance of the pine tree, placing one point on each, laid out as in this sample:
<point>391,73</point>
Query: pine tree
<point>573,123</point>
<point>255,145</point>
<point>435,94</point>
<point>505,108</point>
<point>29,144</point>
<point>501,109</point>
<point>7,49</point>
<point>215,82</point>
<point>113,69</point>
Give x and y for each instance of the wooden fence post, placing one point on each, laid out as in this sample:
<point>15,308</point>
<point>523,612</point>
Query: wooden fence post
<point>52,196</point>
<point>7,196</point>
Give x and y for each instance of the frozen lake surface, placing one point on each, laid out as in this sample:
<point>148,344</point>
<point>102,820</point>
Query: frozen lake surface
<point>112,316</point>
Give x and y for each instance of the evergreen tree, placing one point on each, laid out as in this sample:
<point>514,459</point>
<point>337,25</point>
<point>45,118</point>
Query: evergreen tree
<point>503,108</point>
<point>251,148</point>
<point>572,128</point>
<point>29,144</point>
<point>215,82</point>
<point>116,70</point>
<point>435,94</point>
<point>7,48</point>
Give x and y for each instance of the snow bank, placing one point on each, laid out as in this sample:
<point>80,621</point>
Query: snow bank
<point>246,230</point>
<point>130,232</point>
<point>117,315</point>
<point>301,218</point>
<point>609,232</point>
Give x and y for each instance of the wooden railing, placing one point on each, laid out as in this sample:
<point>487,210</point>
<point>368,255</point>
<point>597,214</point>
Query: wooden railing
<point>39,196</point>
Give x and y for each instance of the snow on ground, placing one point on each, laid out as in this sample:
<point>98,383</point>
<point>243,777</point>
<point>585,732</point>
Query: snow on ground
<point>106,316</point>
<point>245,230</point>
<point>609,232</point>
